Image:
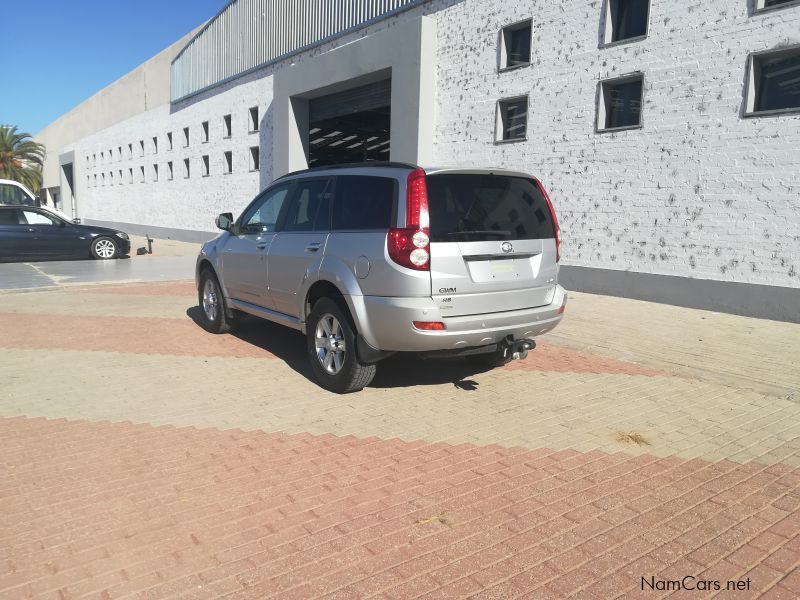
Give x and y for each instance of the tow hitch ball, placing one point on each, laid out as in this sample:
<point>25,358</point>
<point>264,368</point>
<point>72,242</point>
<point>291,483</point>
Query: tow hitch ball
<point>518,349</point>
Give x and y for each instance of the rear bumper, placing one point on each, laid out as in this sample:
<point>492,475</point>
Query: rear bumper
<point>386,323</point>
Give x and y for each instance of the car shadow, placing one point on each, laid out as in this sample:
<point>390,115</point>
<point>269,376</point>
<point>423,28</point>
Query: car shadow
<point>401,370</point>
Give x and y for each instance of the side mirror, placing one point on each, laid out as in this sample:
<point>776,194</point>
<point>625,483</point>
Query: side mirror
<point>76,221</point>
<point>224,221</point>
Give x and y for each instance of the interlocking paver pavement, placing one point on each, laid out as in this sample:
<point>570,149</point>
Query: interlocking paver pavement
<point>142,457</point>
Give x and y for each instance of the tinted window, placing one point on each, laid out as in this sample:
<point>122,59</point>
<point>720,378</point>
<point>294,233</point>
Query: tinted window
<point>629,18</point>
<point>624,104</point>
<point>11,194</point>
<point>778,81</point>
<point>9,217</point>
<point>309,209</point>
<point>519,46</point>
<point>364,203</point>
<point>263,215</point>
<point>487,207</point>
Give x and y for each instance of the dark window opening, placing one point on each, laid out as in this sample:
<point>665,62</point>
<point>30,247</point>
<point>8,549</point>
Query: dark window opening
<point>205,131</point>
<point>206,167</point>
<point>255,163</point>
<point>776,80</point>
<point>228,158</point>
<point>254,125</point>
<point>513,119</point>
<point>487,208</point>
<point>622,104</point>
<point>226,126</point>
<point>364,203</point>
<point>627,19</point>
<point>517,45</point>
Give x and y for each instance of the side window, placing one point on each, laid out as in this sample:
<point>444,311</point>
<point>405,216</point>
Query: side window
<point>364,203</point>
<point>309,209</point>
<point>36,218</point>
<point>11,194</point>
<point>263,215</point>
<point>9,217</point>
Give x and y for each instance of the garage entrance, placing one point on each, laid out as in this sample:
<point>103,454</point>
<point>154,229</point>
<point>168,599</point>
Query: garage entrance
<point>350,126</point>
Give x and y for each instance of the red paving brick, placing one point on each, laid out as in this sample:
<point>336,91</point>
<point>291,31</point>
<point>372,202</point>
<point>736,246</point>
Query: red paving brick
<point>182,337</point>
<point>109,510</point>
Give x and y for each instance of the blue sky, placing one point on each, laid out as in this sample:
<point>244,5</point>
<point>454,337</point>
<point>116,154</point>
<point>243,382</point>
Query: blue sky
<point>63,51</point>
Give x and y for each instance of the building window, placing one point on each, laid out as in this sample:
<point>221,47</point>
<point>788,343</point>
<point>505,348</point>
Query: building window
<point>141,147</point>
<point>515,47</point>
<point>254,158</point>
<point>169,140</point>
<point>206,168</point>
<point>155,172</point>
<point>620,103</point>
<point>102,157</point>
<point>119,153</point>
<point>110,155</point>
<point>155,145</point>
<point>130,175</point>
<point>228,159</point>
<point>103,182</point>
<point>187,172</point>
<point>141,174</point>
<point>205,131</point>
<point>120,177</point>
<point>95,180</point>
<point>254,124</point>
<point>762,5</point>
<point>626,20</point>
<point>130,150</point>
<point>94,159</point>
<point>512,120</point>
<point>773,85</point>
<point>185,137</point>
<point>169,171</point>
<point>226,126</point>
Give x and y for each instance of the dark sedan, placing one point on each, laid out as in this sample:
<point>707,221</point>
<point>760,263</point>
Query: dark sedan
<point>28,233</point>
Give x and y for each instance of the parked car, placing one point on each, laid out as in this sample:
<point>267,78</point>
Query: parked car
<point>369,260</point>
<point>30,233</point>
<point>13,193</point>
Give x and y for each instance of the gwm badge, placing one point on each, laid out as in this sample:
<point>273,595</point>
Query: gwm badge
<point>507,247</point>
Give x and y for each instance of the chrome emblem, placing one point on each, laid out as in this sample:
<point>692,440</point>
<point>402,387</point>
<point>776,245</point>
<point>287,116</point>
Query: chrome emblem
<point>507,247</point>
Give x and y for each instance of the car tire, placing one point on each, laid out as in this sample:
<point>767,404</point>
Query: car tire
<point>331,343</point>
<point>214,314</point>
<point>104,248</point>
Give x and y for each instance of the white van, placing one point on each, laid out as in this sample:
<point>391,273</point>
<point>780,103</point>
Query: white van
<point>15,194</point>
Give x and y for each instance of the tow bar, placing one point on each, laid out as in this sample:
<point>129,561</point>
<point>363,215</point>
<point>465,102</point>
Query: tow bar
<point>517,349</point>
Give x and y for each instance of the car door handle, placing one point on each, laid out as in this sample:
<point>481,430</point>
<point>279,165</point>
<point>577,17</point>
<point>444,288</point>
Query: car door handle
<point>312,247</point>
<point>261,246</point>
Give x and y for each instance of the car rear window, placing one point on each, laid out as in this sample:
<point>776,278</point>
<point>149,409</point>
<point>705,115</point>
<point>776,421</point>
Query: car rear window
<point>364,203</point>
<point>486,207</point>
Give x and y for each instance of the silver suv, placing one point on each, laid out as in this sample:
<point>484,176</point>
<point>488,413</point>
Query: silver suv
<point>374,259</point>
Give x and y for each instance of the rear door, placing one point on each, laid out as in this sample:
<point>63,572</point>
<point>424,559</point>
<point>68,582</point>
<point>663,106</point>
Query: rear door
<point>493,246</point>
<point>297,250</point>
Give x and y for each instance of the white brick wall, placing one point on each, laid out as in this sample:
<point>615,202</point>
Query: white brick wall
<point>698,192</point>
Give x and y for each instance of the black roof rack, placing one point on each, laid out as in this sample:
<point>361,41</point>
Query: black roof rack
<point>358,165</point>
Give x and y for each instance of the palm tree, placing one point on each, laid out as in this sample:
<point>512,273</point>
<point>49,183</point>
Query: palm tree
<point>21,158</point>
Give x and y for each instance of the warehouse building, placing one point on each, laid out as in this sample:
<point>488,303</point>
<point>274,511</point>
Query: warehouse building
<point>668,133</point>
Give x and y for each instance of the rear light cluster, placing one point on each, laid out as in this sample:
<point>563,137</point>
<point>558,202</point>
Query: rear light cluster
<point>556,229</point>
<point>429,325</point>
<point>410,246</point>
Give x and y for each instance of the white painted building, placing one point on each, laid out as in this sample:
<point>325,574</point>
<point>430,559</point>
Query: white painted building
<point>668,133</point>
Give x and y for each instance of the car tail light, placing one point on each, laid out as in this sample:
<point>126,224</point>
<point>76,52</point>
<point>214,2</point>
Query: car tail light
<point>556,229</point>
<point>429,325</point>
<point>409,246</point>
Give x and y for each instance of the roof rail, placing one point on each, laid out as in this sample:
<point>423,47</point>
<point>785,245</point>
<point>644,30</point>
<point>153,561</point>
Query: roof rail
<point>358,165</point>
